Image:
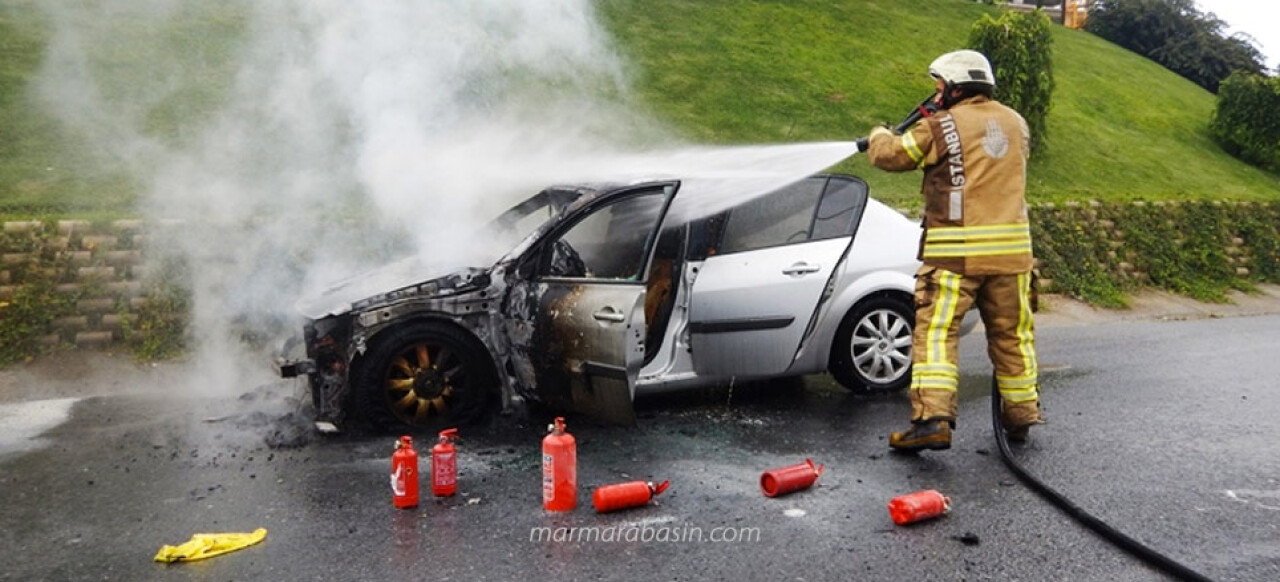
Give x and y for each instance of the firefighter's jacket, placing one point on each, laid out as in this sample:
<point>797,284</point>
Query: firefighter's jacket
<point>974,157</point>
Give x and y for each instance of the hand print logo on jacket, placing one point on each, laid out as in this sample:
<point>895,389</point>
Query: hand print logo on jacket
<point>995,142</point>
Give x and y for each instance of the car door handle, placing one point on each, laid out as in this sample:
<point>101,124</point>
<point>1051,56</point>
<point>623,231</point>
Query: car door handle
<point>801,268</point>
<point>609,314</point>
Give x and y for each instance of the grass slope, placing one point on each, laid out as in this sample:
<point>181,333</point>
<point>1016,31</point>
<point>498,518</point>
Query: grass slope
<point>733,71</point>
<point>167,79</point>
<point>34,152</point>
<point>722,71</point>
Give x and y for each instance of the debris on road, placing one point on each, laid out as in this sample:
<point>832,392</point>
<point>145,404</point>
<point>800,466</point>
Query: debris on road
<point>202,546</point>
<point>969,539</point>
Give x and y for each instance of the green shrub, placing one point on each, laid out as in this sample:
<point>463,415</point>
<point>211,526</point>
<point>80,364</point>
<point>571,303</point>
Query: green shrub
<point>1020,48</point>
<point>1245,123</point>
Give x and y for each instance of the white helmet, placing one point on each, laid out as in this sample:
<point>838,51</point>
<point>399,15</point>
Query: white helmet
<point>963,67</point>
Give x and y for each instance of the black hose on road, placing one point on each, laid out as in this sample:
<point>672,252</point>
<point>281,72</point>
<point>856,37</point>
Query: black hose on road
<point>1138,549</point>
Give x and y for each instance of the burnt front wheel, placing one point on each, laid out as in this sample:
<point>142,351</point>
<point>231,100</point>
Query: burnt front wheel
<point>872,348</point>
<point>425,375</point>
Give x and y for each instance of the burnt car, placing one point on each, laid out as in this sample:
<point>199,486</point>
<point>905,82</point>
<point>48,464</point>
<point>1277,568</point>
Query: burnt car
<point>606,293</point>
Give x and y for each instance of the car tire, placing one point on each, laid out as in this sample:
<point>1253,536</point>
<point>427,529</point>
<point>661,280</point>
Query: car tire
<point>425,376</point>
<point>872,348</point>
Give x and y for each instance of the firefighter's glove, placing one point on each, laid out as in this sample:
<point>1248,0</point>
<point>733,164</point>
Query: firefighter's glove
<point>202,546</point>
<point>879,129</point>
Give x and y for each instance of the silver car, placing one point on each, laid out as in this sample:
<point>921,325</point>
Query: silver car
<point>606,294</point>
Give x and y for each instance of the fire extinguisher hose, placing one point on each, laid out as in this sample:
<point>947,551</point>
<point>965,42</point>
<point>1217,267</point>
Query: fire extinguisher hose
<point>1116,537</point>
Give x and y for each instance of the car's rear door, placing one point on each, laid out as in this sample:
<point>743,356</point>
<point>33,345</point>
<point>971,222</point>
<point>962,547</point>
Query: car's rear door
<point>754,298</point>
<point>587,344</point>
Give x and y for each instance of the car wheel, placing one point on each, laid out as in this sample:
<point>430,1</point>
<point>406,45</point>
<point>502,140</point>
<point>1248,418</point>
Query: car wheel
<point>872,349</point>
<point>425,375</point>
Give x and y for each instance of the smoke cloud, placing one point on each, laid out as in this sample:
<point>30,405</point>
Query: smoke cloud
<point>301,141</point>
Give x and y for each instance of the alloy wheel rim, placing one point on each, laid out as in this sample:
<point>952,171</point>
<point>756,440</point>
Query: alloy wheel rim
<point>423,382</point>
<point>881,346</point>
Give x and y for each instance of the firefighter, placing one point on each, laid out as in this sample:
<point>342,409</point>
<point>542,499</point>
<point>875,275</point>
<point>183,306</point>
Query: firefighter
<point>975,248</point>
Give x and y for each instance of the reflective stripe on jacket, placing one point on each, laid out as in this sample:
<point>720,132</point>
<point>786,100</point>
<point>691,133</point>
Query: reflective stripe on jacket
<point>974,157</point>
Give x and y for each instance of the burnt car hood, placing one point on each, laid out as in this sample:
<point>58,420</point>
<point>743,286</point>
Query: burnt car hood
<point>339,297</point>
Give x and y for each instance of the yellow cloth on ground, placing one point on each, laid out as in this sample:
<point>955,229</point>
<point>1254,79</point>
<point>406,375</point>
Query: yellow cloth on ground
<point>202,546</point>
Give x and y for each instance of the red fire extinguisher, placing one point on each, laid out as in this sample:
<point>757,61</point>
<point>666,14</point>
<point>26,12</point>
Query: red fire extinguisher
<point>444,465</point>
<point>623,495</point>
<point>918,506</point>
<point>404,474</point>
<point>784,480</point>
<point>559,469</point>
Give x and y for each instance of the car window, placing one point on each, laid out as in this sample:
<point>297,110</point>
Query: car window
<point>516,223</point>
<point>525,224</point>
<point>840,208</point>
<point>778,218</point>
<point>611,243</point>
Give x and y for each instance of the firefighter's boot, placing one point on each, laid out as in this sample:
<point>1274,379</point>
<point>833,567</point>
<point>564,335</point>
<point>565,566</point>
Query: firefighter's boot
<point>934,435</point>
<point>1018,418</point>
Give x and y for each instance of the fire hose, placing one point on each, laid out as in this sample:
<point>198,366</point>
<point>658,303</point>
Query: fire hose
<point>1117,538</point>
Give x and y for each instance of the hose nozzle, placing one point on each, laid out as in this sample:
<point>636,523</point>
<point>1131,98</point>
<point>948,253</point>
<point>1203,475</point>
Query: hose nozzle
<point>925,109</point>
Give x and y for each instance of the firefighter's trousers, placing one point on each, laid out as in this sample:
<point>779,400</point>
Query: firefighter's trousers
<point>1005,303</point>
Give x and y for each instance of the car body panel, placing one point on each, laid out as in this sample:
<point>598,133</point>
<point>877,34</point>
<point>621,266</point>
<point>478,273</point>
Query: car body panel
<point>587,351</point>
<point>879,261</point>
<point>583,302</point>
<point>749,310</point>
<point>341,296</point>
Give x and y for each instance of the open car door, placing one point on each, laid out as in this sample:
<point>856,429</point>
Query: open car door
<point>587,298</point>
<point>770,271</point>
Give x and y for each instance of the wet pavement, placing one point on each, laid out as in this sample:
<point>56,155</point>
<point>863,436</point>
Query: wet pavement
<point>1164,429</point>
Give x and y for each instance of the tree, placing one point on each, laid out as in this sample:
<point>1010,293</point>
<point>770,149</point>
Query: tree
<point>1176,35</point>
<point>1020,48</point>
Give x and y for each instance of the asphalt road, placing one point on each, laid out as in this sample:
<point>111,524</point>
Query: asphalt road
<point>1166,430</point>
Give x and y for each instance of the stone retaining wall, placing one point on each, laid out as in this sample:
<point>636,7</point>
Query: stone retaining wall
<point>100,268</point>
